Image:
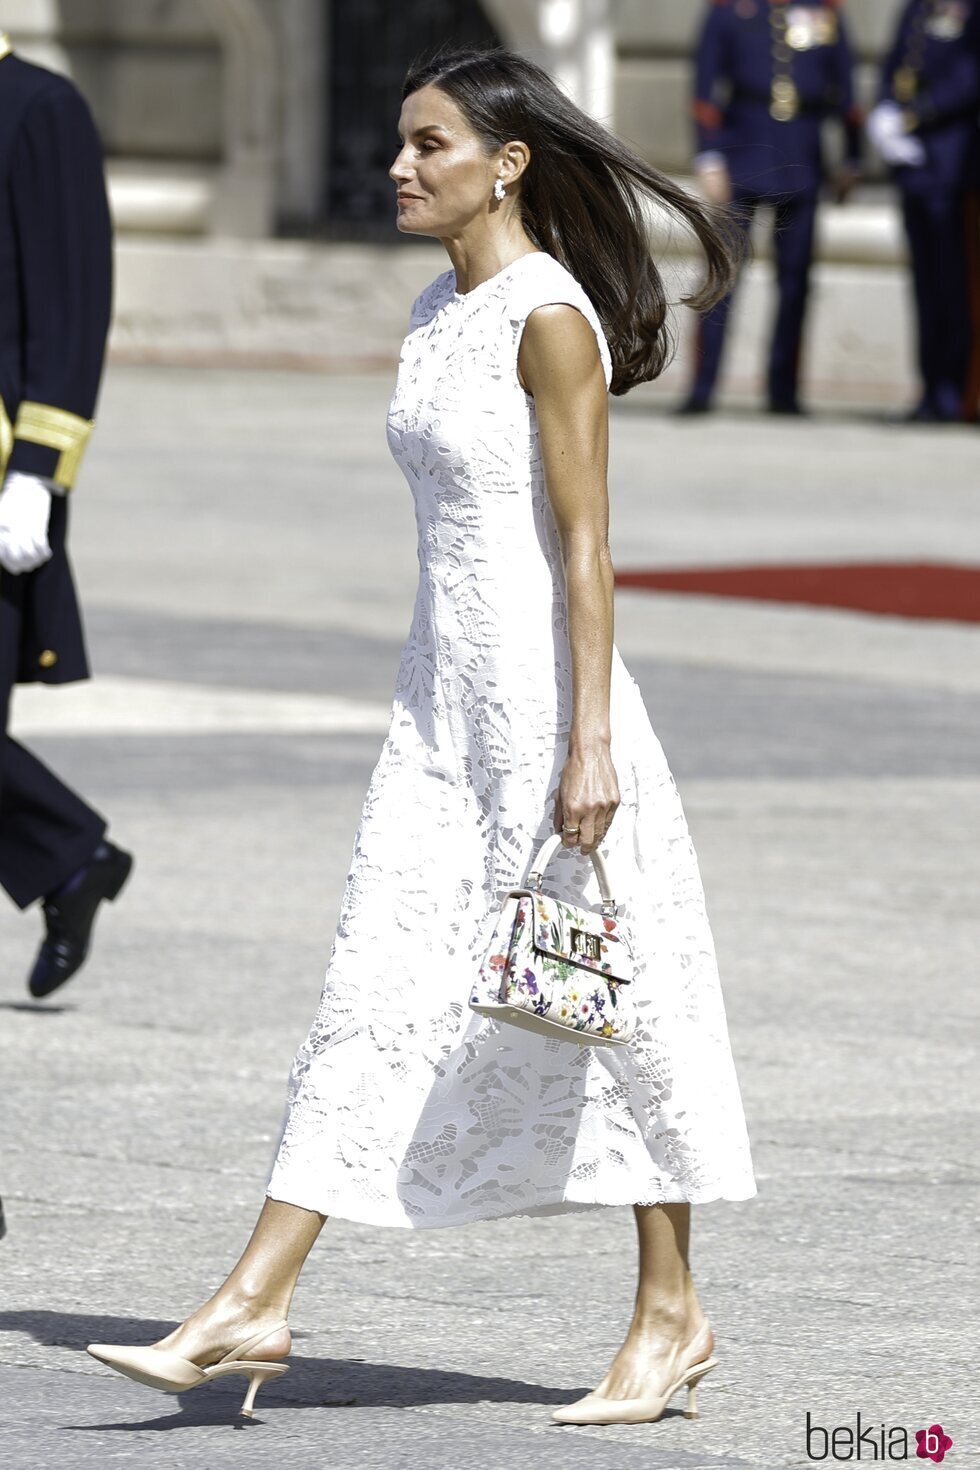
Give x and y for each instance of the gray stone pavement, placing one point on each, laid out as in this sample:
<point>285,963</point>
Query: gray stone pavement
<point>246,550</point>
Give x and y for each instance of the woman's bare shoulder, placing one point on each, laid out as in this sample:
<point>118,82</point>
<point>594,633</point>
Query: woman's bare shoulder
<point>560,321</point>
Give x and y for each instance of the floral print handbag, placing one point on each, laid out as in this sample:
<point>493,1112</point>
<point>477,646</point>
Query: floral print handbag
<point>557,968</point>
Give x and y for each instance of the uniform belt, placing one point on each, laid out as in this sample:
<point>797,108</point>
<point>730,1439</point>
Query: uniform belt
<point>964,114</point>
<point>748,94</point>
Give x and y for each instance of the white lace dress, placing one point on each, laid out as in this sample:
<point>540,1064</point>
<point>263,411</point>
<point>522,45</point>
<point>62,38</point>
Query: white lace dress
<point>406,1108</point>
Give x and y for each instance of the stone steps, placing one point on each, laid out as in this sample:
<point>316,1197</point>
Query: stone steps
<point>344,308</point>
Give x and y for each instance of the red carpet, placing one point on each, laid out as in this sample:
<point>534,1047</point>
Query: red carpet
<point>900,590</point>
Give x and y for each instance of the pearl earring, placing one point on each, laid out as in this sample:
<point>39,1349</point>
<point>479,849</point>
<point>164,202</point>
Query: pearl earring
<point>499,192</point>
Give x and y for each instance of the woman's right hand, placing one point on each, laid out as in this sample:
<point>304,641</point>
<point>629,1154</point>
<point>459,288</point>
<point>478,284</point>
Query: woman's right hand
<point>588,798</point>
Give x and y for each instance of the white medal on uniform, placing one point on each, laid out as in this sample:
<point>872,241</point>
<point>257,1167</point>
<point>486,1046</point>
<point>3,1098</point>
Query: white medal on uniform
<point>808,26</point>
<point>948,20</point>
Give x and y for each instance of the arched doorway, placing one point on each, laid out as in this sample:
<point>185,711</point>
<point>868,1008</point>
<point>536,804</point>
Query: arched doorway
<point>371,44</point>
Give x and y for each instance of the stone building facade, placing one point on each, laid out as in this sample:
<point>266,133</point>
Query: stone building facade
<point>248,143</point>
<point>216,114</point>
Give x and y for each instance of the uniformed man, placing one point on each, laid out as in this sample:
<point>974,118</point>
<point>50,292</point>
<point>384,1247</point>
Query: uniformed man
<point>926,127</point>
<point>769,74</point>
<point>55,288</point>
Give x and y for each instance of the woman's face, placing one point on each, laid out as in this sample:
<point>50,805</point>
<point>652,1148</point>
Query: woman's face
<point>445,176</point>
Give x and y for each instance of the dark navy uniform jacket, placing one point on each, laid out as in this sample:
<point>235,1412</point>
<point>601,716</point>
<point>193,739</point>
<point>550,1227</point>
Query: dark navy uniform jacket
<point>734,76</point>
<point>55,299</point>
<point>946,103</point>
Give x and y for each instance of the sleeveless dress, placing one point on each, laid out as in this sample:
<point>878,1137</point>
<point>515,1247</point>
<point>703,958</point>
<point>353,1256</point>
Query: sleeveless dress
<point>405,1107</point>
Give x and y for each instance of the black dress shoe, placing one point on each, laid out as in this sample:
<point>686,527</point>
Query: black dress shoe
<point>691,407</point>
<point>70,913</point>
<point>789,408</point>
<point>922,413</point>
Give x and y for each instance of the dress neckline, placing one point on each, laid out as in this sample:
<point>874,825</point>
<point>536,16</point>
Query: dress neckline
<point>505,270</point>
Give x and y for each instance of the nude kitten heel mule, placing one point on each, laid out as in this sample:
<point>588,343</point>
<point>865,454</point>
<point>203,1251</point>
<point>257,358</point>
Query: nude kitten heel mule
<point>594,1409</point>
<point>169,1372</point>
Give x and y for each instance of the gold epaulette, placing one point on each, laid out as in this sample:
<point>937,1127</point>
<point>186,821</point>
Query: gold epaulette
<point>5,46</point>
<point>6,437</point>
<point>55,428</point>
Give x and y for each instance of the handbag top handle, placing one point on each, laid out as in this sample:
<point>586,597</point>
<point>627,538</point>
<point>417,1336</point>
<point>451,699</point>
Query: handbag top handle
<point>547,851</point>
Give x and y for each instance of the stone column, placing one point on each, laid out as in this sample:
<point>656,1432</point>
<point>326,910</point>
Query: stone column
<point>244,202</point>
<point>573,39</point>
<point>300,28</point>
<point>35,27</point>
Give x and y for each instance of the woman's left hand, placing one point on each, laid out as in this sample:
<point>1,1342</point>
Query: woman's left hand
<point>588,797</point>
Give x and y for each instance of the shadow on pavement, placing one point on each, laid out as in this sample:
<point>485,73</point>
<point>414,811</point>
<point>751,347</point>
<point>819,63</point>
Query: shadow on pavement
<point>311,1382</point>
<point>661,407</point>
<point>36,1008</point>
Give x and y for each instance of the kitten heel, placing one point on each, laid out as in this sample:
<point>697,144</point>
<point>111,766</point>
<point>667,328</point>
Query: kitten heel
<point>258,1376</point>
<point>168,1371</point>
<point>691,1411</point>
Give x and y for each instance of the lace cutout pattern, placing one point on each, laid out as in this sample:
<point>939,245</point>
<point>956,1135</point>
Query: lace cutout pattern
<point>406,1108</point>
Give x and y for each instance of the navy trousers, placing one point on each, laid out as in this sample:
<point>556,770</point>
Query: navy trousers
<point>46,832</point>
<point>795,220</point>
<point>944,260</point>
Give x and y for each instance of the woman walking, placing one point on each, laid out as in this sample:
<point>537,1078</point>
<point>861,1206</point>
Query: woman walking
<point>513,717</point>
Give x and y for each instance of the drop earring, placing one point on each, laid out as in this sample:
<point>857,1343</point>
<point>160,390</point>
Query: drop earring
<point>499,192</point>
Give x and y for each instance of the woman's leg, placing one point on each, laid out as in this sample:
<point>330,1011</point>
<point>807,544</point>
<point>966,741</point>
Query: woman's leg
<point>667,1315</point>
<point>259,1289</point>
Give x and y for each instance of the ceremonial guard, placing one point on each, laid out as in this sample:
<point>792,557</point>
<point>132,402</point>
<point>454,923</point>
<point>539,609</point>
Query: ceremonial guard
<point>768,77</point>
<point>926,127</point>
<point>55,294</point>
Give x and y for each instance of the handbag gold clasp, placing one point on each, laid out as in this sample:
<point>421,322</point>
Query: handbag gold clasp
<point>586,944</point>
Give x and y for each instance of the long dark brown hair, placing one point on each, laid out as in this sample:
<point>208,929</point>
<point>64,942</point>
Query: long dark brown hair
<point>582,199</point>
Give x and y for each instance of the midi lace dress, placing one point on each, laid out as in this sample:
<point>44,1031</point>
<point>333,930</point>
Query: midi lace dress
<point>405,1107</point>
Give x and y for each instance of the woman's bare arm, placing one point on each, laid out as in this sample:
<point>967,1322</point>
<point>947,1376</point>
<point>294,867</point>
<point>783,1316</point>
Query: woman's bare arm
<point>559,365</point>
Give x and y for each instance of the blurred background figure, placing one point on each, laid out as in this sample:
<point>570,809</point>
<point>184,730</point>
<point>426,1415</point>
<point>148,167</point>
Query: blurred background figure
<point>768,76</point>
<point>926,127</point>
<point>55,288</point>
<point>282,135</point>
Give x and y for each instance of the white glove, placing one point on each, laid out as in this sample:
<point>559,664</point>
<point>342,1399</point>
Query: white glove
<point>886,129</point>
<point>714,179</point>
<point>25,509</point>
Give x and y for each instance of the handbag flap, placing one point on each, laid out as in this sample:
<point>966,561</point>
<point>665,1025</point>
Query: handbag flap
<point>580,937</point>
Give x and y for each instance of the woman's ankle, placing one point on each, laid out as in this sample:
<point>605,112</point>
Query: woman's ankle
<point>221,1326</point>
<point>678,1318</point>
<point>253,1300</point>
